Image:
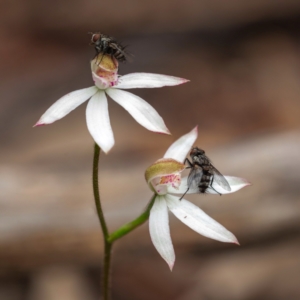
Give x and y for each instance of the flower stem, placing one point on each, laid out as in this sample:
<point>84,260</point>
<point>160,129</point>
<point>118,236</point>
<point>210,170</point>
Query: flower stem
<point>106,286</point>
<point>126,228</point>
<point>107,245</point>
<point>97,151</point>
<point>123,230</point>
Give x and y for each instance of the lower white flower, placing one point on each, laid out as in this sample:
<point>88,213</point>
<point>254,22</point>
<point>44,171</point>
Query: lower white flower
<point>107,81</point>
<point>164,178</point>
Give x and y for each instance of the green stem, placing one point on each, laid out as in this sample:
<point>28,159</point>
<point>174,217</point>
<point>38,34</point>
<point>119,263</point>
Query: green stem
<point>106,287</point>
<point>107,245</point>
<point>97,151</point>
<point>125,229</point>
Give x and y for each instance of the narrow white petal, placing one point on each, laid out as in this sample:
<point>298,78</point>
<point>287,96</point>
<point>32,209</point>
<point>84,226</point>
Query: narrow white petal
<point>180,148</point>
<point>160,230</point>
<point>140,110</point>
<point>147,80</point>
<point>192,216</point>
<point>236,183</point>
<point>97,119</point>
<point>65,105</point>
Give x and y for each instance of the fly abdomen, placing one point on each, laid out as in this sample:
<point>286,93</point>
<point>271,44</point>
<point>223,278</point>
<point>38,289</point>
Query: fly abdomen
<point>205,178</point>
<point>204,183</point>
<point>120,56</point>
<point>203,186</point>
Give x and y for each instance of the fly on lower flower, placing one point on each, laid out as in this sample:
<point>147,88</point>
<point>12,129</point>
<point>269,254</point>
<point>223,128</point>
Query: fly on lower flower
<point>108,82</point>
<point>164,178</point>
<point>203,174</point>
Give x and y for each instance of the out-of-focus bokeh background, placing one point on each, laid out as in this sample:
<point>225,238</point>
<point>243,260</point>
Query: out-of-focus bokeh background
<point>243,60</point>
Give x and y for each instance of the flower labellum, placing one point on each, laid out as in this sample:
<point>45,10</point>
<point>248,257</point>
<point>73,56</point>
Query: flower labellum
<point>104,71</point>
<point>164,173</point>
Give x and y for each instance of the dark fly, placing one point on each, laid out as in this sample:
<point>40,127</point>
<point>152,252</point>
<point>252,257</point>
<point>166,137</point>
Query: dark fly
<point>203,174</point>
<point>105,44</point>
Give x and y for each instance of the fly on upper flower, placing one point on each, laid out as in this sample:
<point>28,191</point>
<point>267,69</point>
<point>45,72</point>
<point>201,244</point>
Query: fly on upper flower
<point>105,44</point>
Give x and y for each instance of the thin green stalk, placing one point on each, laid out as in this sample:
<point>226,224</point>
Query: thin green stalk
<point>97,151</point>
<point>106,286</point>
<point>125,229</point>
<point>107,245</point>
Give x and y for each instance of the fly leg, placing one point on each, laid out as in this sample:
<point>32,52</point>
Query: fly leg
<point>212,181</point>
<point>104,51</point>
<point>189,167</point>
<point>189,163</point>
<point>184,193</point>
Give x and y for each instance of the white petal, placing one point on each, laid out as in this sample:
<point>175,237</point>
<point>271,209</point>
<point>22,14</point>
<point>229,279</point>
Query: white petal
<point>65,105</point>
<point>140,110</point>
<point>236,183</point>
<point>97,119</point>
<point>180,148</point>
<point>160,230</point>
<point>198,220</point>
<point>147,80</point>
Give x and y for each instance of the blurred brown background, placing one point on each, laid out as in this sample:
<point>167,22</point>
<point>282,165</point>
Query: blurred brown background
<point>243,60</point>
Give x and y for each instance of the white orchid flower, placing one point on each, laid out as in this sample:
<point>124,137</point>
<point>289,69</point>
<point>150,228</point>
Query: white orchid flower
<point>164,178</point>
<point>107,81</point>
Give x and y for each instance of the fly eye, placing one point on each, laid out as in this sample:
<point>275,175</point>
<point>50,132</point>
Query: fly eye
<point>95,37</point>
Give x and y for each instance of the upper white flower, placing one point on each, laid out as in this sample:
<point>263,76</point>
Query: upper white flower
<point>164,178</point>
<point>107,81</point>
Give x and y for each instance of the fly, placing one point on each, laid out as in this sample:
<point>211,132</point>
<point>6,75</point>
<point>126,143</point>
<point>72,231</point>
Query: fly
<point>105,44</point>
<point>203,174</point>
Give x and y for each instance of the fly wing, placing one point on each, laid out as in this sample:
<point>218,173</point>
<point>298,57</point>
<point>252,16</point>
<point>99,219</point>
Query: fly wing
<point>194,177</point>
<point>127,55</point>
<point>220,179</point>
